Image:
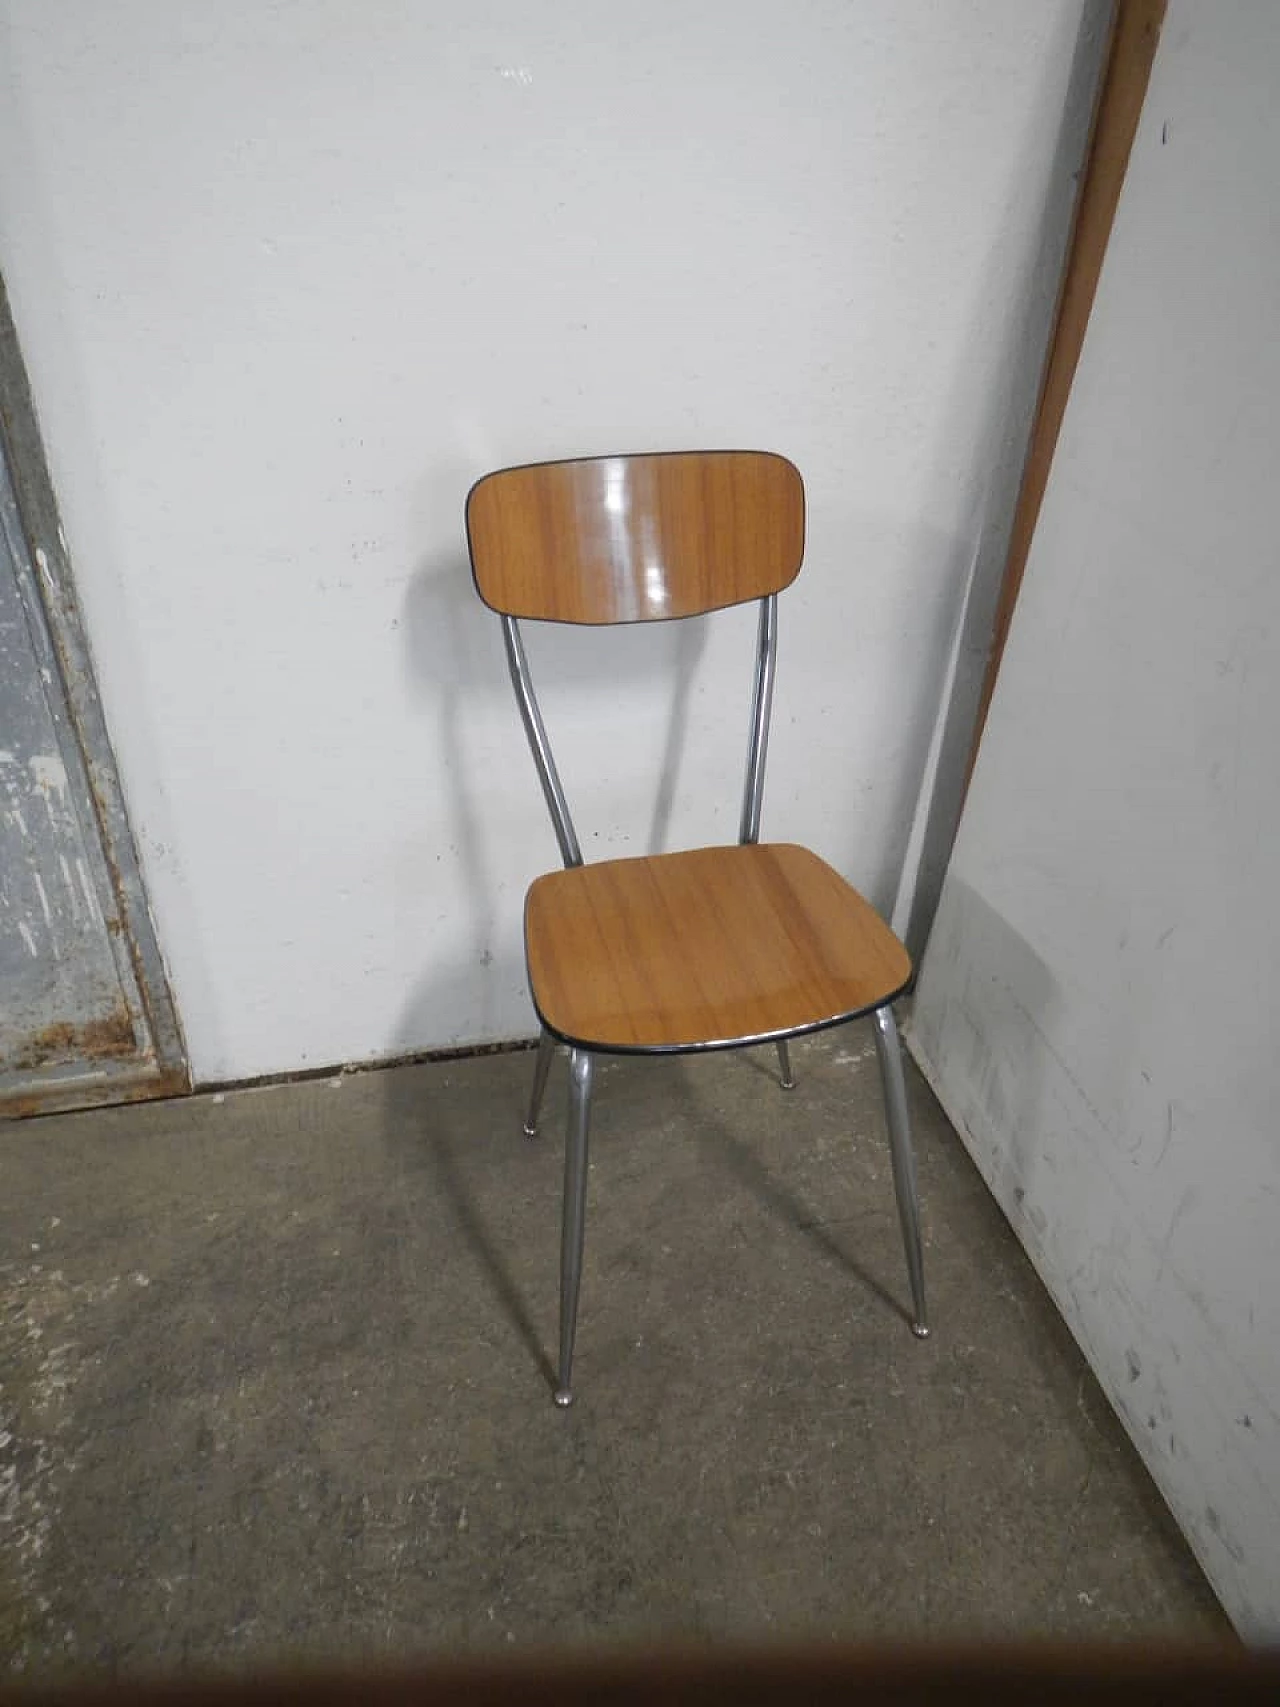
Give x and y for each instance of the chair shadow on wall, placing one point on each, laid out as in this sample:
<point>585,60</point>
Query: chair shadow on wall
<point>453,656</point>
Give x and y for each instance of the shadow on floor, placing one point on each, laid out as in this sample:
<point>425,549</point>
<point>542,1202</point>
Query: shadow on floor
<point>274,1382</point>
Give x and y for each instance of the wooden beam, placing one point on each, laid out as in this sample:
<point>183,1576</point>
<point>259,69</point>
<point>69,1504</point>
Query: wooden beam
<point>1135,34</point>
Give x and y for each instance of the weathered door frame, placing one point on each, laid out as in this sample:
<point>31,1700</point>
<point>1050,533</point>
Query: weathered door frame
<point>152,1061</point>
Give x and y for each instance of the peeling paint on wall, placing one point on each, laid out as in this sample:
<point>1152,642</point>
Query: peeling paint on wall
<point>61,997</point>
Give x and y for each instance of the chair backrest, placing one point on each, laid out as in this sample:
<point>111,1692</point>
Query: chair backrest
<point>636,538</point>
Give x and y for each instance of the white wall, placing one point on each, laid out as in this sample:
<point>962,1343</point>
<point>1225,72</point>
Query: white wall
<point>1099,1006</point>
<point>290,277</point>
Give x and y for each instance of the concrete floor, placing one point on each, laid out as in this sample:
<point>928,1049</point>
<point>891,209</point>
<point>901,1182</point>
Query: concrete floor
<point>275,1374</point>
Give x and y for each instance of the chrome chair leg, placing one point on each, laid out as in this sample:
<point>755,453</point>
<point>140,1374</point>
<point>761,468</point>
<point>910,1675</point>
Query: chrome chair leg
<point>904,1164</point>
<point>574,1219</point>
<point>784,1064</point>
<point>546,1053</point>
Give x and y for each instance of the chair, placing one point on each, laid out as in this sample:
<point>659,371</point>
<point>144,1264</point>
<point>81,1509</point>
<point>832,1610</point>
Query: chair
<point>716,948</point>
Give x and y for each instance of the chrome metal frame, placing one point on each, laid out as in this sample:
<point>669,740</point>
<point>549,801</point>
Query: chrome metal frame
<point>546,1053</point>
<point>539,745</point>
<point>904,1163</point>
<point>573,1223</point>
<point>581,1060</point>
<point>784,1065</point>
<point>761,709</point>
<point>549,776</point>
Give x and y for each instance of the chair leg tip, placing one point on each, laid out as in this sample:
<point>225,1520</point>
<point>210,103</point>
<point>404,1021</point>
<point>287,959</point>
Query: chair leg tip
<point>530,1131</point>
<point>563,1397</point>
<point>920,1330</point>
<point>787,1084</point>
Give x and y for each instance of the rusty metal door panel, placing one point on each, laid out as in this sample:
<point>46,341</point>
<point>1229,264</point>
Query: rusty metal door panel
<point>58,976</point>
<point>85,1015</point>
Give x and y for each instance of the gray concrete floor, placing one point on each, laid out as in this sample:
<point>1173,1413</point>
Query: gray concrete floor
<point>275,1373</point>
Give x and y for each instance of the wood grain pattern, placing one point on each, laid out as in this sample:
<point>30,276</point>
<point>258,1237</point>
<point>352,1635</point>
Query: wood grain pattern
<point>636,538</point>
<point>710,947</point>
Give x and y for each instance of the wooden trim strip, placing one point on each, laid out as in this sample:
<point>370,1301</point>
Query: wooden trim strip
<point>1135,36</point>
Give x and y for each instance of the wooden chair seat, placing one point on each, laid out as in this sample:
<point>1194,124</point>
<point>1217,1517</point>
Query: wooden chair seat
<point>705,949</point>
